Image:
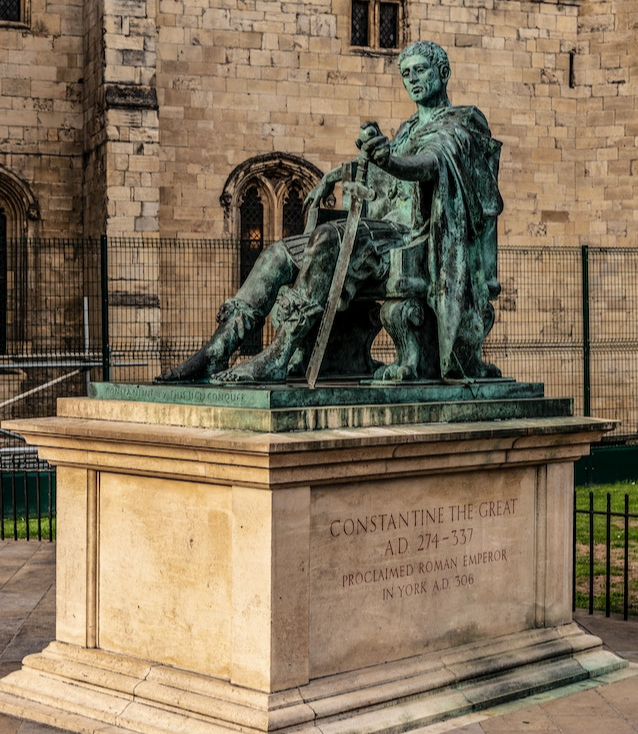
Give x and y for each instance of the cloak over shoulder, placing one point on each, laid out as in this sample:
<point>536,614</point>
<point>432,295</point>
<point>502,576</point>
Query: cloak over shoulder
<point>454,216</point>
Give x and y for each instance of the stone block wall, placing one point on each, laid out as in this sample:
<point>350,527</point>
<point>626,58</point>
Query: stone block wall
<point>127,117</point>
<point>606,155</point>
<point>41,111</point>
<point>238,78</point>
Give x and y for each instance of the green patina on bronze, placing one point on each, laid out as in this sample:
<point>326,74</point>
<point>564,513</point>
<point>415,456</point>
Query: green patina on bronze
<point>295,395</point>
<point>422,235</point>
<point>277,408</point>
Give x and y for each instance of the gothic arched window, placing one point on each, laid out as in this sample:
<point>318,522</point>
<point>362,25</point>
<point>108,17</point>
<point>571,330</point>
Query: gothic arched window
<point>19,216</point>
<point>263,201</point>
<point>281,182</point>
<point>293,215</point>
<point>251,237</point>
<point>3,282</point>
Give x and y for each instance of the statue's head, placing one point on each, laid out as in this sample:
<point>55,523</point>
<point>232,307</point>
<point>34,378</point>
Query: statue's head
<point>431,51</point>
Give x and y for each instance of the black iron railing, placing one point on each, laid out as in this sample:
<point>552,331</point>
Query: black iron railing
<point>605,556</point>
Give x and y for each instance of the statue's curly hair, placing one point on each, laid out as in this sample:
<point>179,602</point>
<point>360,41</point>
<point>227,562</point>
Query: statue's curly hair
<point>431,51</point>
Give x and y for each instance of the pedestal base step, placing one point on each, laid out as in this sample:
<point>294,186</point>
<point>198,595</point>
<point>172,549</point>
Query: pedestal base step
<point>89,690</point>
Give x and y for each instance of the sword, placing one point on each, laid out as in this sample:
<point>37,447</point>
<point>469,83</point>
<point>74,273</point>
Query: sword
<point>359,193</point>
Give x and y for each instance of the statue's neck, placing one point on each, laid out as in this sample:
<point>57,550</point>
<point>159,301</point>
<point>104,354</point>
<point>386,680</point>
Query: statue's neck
<point>427,114</point>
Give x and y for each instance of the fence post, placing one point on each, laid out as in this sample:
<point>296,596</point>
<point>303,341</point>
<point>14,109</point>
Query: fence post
<point>588,462</point>
<point>104,281</point>
<point>586,338</point>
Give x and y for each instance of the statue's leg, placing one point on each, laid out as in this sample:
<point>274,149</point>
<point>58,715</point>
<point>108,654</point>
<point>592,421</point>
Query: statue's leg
<point>299,309</point>
<point>239,316</point>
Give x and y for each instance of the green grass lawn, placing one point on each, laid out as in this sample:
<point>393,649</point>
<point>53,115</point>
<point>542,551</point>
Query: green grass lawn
<point>617,494</point>
<point>33,528</point>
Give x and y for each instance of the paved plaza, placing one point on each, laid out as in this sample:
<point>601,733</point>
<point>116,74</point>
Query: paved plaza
<point>610,706</point>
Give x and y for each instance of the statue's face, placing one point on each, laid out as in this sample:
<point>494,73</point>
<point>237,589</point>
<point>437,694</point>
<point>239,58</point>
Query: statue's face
<point>422,80</point>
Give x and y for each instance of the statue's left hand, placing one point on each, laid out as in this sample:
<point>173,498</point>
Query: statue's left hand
<point>321,191</point>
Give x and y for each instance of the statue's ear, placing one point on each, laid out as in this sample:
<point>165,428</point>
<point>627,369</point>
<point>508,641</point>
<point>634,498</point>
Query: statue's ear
<point>445,73</point>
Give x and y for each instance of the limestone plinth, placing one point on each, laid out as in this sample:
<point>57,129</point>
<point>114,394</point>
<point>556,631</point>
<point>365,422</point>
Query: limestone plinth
<point>338,579</point>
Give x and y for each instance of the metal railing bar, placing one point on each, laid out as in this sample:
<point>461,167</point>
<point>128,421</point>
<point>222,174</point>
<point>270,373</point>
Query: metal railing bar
<point>608,558</point>
<point>591,554</point>
<point>34,390</point>
<point>626,565</point>
<point>50,365</point>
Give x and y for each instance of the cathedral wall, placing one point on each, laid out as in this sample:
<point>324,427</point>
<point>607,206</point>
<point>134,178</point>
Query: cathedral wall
<point>605,210</point>
<point>40,113</point>
<point>239,79</point>
<point>220,81</point>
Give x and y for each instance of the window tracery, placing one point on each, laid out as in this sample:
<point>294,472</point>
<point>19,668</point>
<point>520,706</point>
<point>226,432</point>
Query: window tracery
<point>281,182</point>
<point>19,217</point>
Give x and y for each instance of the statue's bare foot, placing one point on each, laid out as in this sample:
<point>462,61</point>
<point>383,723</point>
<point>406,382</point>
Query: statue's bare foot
<point>267,366</point>
<point>198,367</point>
<point>194,368</point>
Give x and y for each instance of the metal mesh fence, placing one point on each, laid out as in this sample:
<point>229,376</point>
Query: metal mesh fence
<point>72,313</point>
<point>538,329</point>
<point>163,298</point>
<point>51,325</point>
<point>611,305</point>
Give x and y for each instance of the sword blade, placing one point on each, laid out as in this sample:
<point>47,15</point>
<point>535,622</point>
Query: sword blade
<point>338,279</point>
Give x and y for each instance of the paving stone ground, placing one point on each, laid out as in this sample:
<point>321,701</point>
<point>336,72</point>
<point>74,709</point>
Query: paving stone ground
<point>610,706</point>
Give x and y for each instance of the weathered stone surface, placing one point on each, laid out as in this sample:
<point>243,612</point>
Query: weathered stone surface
<point>360,579</point>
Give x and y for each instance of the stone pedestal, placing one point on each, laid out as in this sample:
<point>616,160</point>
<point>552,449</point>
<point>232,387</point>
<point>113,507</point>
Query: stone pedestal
<point>343,579</point>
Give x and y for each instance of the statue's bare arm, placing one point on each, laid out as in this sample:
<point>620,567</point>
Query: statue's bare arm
<point>421,167</point>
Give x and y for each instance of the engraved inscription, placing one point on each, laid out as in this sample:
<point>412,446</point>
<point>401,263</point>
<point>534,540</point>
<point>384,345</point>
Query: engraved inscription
<point>426,550</point>
<point>175,394</point>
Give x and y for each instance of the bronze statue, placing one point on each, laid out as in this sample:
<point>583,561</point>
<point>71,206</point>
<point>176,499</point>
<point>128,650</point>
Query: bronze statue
<point>426,248</point>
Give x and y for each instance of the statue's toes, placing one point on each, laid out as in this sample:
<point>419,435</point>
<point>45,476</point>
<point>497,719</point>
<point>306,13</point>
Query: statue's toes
<point>231,376</point>
<point>218,377</point>
<point>405,373</point>
<point>168,376</point>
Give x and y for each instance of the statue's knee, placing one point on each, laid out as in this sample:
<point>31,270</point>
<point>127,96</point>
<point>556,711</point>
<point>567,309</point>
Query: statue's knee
<point>324,240</point>
<point>275,262</point>
<point>273,256</point>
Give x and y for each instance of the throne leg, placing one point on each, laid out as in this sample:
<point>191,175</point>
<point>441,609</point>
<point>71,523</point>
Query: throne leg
<point>411,324</point>
<point>469,351</point>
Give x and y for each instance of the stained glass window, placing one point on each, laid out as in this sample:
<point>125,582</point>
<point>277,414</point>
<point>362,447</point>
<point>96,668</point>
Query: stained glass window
<point>376,24</point>
<point>293,218</point>
<point>360,23</point>
<point>10,10</point>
